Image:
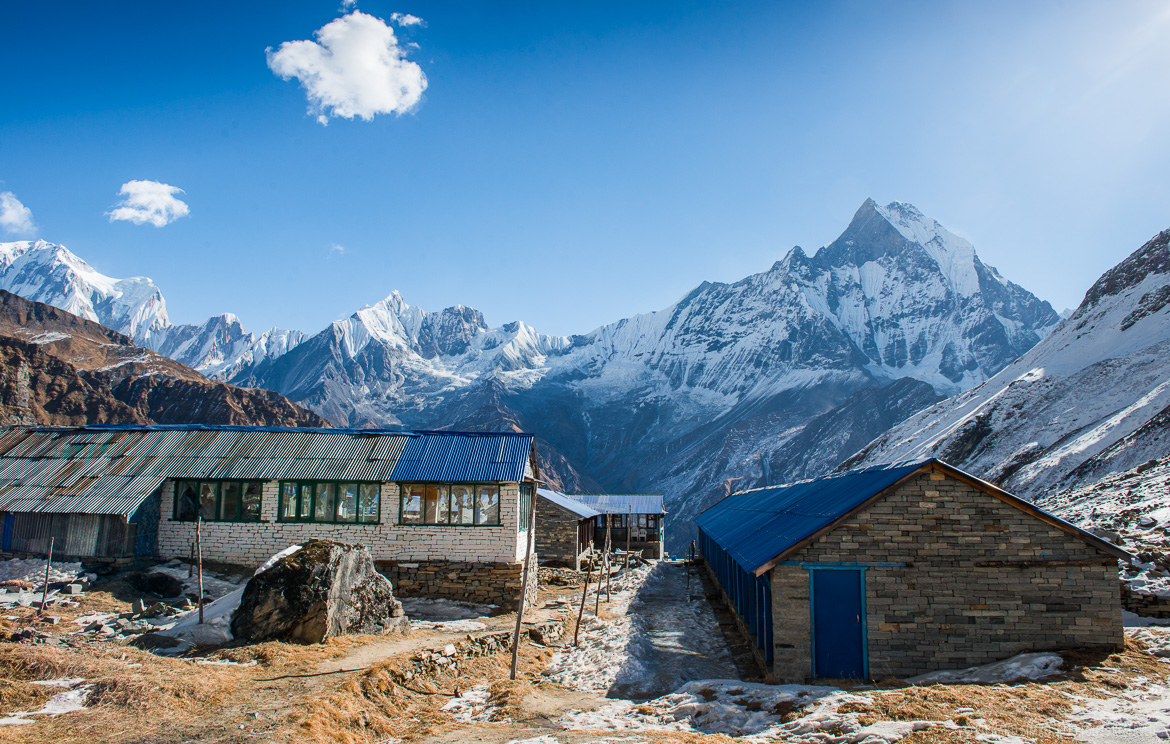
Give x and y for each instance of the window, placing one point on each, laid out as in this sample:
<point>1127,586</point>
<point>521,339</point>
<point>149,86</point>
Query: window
<point>217,501</point>
<point>449,504</point>
<point>330,502</point>
<point>525,506</point>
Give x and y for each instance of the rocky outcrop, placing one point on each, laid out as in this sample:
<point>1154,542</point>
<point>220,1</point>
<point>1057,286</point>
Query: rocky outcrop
<point>323,590</point>
<point>58,369</point>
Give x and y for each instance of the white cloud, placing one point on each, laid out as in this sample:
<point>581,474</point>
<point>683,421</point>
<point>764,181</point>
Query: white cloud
<point>14,216</point>
<point>149,201</point>
<point>355,68</point>
<point>348,4</point>
<point>406,19</point>
<point>337,248</point>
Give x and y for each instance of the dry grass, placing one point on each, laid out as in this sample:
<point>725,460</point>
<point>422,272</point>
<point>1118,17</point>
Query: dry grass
<point>19,695</point>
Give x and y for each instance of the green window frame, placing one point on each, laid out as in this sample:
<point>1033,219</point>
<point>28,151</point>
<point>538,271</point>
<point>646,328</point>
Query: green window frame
<point>526,491</point>
<point>449,504</point>
<point>329,502</point>
<point>218,500</point>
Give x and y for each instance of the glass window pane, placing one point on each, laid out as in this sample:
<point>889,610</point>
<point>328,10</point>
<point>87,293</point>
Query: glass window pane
<point>251,500</point>
<point>347,497</point>
<point>305,499</point>
<point>444,505</point>
<point>368,504</point>
<point>207,500</point>
<point>412,498</point>
<point>188,500</point>
<point>431,506</point>
<point>229,500</point>
<point>288,500</point>
<point>326,502</point>
<point>462,497</point>
<point>487,505</point>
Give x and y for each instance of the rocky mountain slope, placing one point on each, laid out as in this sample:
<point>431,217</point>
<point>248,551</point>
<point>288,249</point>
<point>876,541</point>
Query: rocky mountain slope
<point>59,369</point>
<point>776,376</point>
<point>1090,400</point>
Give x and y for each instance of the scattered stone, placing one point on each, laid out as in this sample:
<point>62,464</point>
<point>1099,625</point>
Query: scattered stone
<point>323,590</point>
<point>72,589</point>
<point>153,641</point>
<point>449,649</point>
<point>138,606</point>
<point>1147,523</point>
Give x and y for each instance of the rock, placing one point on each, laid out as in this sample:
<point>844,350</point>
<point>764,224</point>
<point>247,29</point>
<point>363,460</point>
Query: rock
<point>323,590</point>
<point>158,584</point>
<point>72,589</point>
<point>1110,535</point>
<point>138,606</point>
<point>449,649</point>
<point>151,641</point>
<point>1147,523</point>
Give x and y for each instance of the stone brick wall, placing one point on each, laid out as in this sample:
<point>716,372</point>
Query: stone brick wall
<point>251,543</point>
<point>983,581</point>
<point>486,583</point>
<point>556,533</point>
<point>1146,605</point>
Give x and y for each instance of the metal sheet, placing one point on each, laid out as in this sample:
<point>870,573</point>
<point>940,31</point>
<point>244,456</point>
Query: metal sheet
<point>569,503</point>
<point>623,503</point>
<point>756,526</point>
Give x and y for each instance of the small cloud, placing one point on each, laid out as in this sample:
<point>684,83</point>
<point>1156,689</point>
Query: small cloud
<point>149,201</point>
<point>406,19</point>
<point>337,248</point>
<point>354,68</point>
<point>15,218</point>
<point>347,5</point>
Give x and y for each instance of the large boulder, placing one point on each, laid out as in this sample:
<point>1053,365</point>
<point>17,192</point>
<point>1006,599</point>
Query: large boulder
<point>323,590</point>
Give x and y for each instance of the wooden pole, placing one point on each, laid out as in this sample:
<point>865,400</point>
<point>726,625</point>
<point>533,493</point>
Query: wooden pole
<point>199,559</point>
<point>524,582</point>
<point>629,528</point>
<point>608,565</point>
<point>581,612</point>
<point>48,562</point>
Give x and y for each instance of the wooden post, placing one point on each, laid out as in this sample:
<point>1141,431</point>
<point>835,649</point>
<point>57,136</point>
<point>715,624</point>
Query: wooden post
<point>191,563</point>
<point>629,527</point>
<point>524,581</point>
<point>48,562</point>
<point>581,612</point>
<point>199,559</point>
<point>608,565</point>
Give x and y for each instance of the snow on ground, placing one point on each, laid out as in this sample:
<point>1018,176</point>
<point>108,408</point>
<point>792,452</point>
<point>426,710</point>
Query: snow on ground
<point>445,614</point>
<point>215,585</point>
<point>63,702</point>
<point>1157,640</point>
<point>33,570</point>
<point>1129,717</point>
<point>1016,669</point>
<point>594,665</point>
<point>472,705</point>
<point>752,711</point>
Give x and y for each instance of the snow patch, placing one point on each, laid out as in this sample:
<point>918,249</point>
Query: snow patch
<point>1016,669</point>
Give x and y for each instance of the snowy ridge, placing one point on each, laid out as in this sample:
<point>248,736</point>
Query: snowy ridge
<point>49,273</point>
<point>1088,400</point>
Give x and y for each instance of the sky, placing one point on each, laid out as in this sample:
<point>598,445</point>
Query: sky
<point>569,164</point>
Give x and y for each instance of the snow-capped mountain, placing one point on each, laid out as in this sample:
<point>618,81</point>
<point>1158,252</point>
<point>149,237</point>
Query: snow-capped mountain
<point>779,375</point>
<point>1091,399</point>
<point>49,273</point>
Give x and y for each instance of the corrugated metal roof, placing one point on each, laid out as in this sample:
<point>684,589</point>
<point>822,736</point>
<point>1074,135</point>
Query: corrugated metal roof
<point>623,503</point>
<point>568,502</point>
<point>113,469</point>
<point>464,458</point>
<point>756,526</point>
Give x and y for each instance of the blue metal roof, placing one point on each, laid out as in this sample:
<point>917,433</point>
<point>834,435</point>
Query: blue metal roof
<point>475,457</point>
<point>756,526</point>
<point>623,503</point>
<point>568,502</point>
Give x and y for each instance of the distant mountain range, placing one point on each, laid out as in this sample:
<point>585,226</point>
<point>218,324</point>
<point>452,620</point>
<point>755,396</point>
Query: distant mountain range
<point>778,376</point>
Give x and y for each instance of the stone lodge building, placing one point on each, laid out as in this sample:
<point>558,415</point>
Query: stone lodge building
<point>638,520</point>
<point>564,528</point>
<point>443,513</point>
<point>899,570</point>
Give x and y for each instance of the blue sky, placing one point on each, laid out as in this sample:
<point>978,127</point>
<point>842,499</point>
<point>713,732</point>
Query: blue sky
<point>571,164</point>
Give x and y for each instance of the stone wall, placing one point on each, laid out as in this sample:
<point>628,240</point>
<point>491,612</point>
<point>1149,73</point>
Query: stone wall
<point>983,581</point>
<point>251,543</point>
<point>485,583</point>
<point>556,534</point>
<point>1146,605</point>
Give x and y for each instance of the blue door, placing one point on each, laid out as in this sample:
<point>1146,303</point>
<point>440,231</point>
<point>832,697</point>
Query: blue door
<point>838,616</point>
